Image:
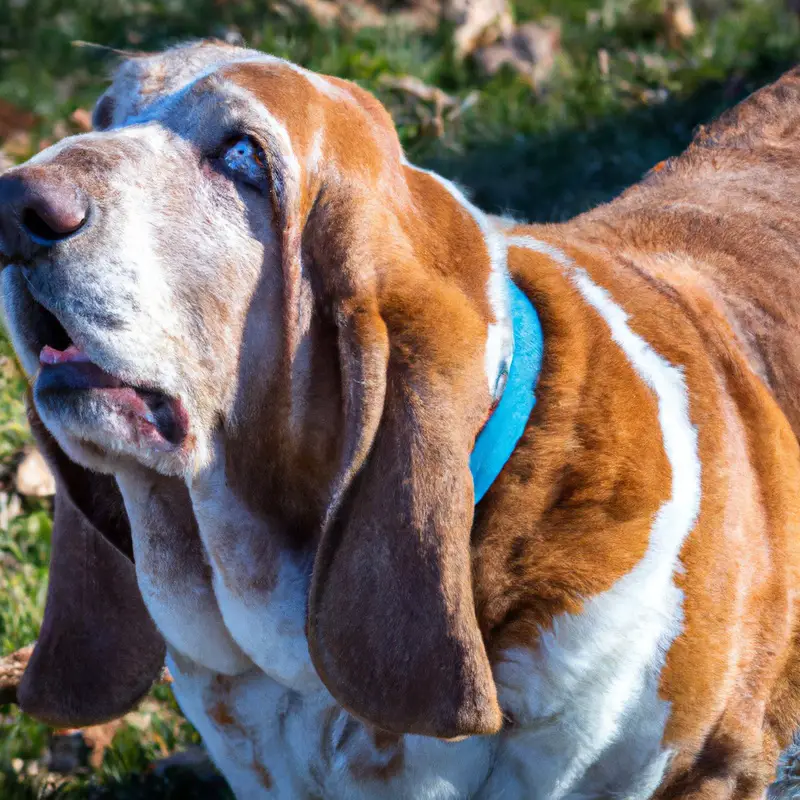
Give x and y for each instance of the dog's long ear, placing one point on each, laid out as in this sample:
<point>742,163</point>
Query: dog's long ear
<point>392,624</point>
<point>98,650</point>
<point>385,255</point>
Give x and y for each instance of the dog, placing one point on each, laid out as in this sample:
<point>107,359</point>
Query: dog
<point>417,504</point>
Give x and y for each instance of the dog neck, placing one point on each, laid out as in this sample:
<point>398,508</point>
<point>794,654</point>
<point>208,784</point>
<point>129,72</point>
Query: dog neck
<point>516,383</point>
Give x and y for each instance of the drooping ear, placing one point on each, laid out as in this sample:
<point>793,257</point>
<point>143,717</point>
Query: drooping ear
<point>98,651</point>
<point>392,625</point>
<point>387,254</point>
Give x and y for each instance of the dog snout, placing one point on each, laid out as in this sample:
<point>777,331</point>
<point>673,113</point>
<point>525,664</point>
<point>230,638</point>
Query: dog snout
<point>38,208</point>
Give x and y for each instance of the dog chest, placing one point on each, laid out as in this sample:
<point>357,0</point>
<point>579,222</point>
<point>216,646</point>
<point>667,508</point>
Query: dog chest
<point>270,741</point>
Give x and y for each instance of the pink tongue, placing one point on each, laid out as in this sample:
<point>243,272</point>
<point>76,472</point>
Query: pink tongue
<point>50,355</point>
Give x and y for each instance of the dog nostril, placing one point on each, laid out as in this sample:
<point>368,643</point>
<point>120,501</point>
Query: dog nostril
<point>47,224</point>
<point>36,226</point>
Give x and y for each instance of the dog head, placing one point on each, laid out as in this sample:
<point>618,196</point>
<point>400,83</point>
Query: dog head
<point>240,253</point>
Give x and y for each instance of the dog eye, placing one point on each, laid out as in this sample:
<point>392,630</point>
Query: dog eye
<point>243,158</point>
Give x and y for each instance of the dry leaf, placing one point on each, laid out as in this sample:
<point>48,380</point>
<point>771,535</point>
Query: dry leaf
<point>18,146</point>
<point>679,22</point>
<point>353,15</point>
<point>530,51</point>
<point>33,477</point>
<point>60,130</point>
<point>82,119</point>
<point>11,668</point>
<point>446,107</point>
<point>10,509</point>
<point>479,23</point>
<point>73,749</point>
<point>14,120</point>
<point>603,62</point>
<point>414,86</point>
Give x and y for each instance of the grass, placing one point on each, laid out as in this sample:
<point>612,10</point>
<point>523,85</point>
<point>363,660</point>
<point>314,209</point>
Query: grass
<point>542,155</point>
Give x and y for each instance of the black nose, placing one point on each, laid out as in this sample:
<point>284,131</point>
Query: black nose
<point>38,208</point>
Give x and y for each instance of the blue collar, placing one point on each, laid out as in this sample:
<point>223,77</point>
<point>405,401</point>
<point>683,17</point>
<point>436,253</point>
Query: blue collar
<point>502,431</point>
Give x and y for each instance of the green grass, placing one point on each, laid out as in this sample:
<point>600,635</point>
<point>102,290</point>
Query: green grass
<point>542,156</point>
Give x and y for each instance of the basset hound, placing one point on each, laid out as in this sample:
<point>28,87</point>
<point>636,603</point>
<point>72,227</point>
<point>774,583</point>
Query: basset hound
<point>417,503</point>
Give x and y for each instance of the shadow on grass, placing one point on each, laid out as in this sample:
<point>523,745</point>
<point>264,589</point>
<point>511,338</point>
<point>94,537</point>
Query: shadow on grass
<point>555,176</point>
<point>177,785</point>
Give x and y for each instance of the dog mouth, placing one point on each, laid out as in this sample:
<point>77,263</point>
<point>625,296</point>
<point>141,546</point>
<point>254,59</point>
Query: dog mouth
<point>68,375</point>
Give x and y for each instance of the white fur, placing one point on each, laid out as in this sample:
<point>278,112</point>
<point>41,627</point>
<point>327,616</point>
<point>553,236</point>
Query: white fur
<point>268,622</point>
<point>197,69</point>
<point>590,716</point>
<point>500,334</point>
<point>127,281</point>
<point>49,153</point>
<point>285,732</point>
<point>315,152</point>
<point>322,84</point>
<point>173,576</point>
<point>16,303</point>
<point>129,274</point>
